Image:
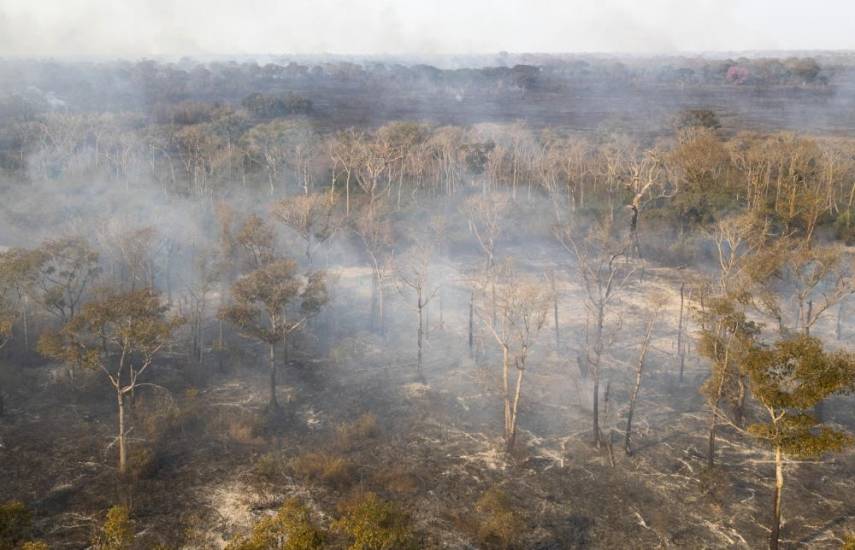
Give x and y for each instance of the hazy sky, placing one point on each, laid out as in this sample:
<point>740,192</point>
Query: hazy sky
<point>153,27</point>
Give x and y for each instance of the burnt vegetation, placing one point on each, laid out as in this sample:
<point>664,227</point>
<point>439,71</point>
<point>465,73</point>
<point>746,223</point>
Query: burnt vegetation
<point>554,302</point>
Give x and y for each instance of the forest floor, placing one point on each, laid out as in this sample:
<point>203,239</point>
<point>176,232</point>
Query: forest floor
<point>212,462</point>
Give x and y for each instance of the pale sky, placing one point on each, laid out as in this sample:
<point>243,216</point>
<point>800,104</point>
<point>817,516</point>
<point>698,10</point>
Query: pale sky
<point>134,28</point>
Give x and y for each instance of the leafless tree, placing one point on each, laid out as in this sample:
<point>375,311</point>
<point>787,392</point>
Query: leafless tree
<point>414,271</point>
<point>522,305</point>
<point>598,254</point>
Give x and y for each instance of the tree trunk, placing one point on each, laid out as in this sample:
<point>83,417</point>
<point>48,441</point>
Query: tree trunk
<point>776,500</point>
<point>505,385</point>
<point>274,404</point>
<point>645,346</point>
<point>374,313</point>
<point>380,319</point>
<point>739,413</point>
<point>26,326</point>
<point>512,428</point>
<point>680,344</point>
<point>421,333</point>
<point>471,323</point>
<point>597,409</point>
<point>598,351</point>
<point>711,441</point>
<point>608,440</point>
<point>555,314</point>
<point>123,459</point>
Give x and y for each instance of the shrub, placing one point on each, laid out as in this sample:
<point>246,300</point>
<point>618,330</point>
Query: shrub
<point>142,463</point>
<point>35,545</point>
<point>334,471</point>
<point>499,524</point>
<point>689,118</point>
<point>397,479</point>
<point>290,529</point>
<point>15,523</point>
<point>844,227</point>
<point>245,428</point>
<point>372,523</point>
<point>268,467</point>
<point>116,533</point>
<point>351,434</point>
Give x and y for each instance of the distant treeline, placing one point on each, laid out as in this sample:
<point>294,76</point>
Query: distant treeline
<point>39,86</point>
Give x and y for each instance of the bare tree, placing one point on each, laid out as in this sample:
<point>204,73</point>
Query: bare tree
<point>639,369</point>
<point>522,305</point>
<point>375,231</point>
<point>415,273</point>
<point>598,257</point>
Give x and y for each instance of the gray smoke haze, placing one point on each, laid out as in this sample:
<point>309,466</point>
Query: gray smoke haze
<point>165,27</point>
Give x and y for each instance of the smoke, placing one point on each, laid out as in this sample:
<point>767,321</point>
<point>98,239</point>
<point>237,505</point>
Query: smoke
<point>161,27</point>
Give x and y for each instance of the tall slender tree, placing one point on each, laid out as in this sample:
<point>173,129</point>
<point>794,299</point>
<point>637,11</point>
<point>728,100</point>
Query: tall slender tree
<point>272,302</point>
<point>118,334</point>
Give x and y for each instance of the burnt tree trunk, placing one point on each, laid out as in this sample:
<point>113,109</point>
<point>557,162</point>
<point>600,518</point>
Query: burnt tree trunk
<point>775,531</point>
<point>472,323</point>
<point>123,453</point>
<point>680,345</point>
<point>634,397</point>
<point>274,404</point>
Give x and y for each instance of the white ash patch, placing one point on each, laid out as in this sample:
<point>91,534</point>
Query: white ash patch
<point>492,459</point>
<point>416,390</point>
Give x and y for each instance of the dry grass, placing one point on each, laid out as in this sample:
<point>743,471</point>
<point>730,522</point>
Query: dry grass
<point>352,435</point>
<point>328,469</point>
<point>397,479</point>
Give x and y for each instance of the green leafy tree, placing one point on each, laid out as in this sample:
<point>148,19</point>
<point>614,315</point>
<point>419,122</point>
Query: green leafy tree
<point>271,303</point>
<point>726,338</point>
<point>119,334</point>
<point>789,379</point>
<point>65,269</point>
<point>18,271</point>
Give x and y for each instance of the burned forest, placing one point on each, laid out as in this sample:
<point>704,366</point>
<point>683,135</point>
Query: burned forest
<point>503,302</point>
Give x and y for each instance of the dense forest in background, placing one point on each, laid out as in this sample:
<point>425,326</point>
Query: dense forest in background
<point>275,305</point>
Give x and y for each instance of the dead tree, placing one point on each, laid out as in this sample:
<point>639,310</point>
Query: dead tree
<point>375,232</point>
<point>486,216</point>
<point>552,277</point>
<point>414,273</point>
<point>639,368</point>
<point>597,255</point>
<point>522,307</point>
<point>681,352</point>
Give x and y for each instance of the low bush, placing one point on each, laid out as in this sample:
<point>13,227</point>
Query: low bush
<point>499,525</point>
<point>15,523</point>
<point>372,523</point>
<point>116,533</point>
<point>351,435</point>
<point>321,467</point>
<point>290,529</point>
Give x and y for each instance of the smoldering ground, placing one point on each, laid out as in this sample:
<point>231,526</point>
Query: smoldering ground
<point>442,247</point>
